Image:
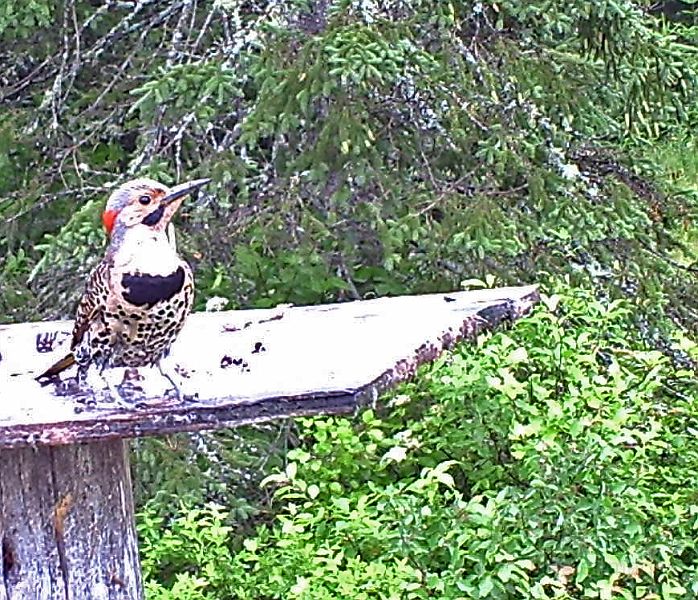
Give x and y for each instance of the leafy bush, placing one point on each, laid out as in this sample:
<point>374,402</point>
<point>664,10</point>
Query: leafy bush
<point>554,460</point>
<point>19,19</point>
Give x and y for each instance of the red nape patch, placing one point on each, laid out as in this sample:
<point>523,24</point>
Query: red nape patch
<point>108,218</point>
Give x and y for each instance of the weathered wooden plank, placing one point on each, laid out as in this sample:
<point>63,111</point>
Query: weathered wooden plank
<point>246,366</point>
<point>66,509</point>
<point>67,527</point>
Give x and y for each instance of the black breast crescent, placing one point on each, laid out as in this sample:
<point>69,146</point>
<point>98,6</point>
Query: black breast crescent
<point>148,290</point>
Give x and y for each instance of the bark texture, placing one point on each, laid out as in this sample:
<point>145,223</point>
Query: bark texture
<point>67,527</point>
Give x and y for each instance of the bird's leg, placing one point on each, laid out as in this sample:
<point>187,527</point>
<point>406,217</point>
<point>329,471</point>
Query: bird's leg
<point>113,390</point>
<point>130,383</point>
<point>131,374</point>
<point>169,376</point>
<point>81,376</point>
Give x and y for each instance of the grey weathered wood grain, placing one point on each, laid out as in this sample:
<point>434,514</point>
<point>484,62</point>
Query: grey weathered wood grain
<point>66,524</point>
<point>245,366</point>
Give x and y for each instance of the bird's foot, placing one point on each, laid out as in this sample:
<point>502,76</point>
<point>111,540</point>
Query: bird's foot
<point>129,391</point>
<point>122,395</point>
<point>175,392</point>
<point>130,385</point>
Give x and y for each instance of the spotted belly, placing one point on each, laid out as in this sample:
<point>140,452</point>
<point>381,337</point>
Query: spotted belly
<point>133,335</point>
<point>146,336</point>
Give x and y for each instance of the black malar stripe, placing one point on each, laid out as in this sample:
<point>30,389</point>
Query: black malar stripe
<point>154,217</point>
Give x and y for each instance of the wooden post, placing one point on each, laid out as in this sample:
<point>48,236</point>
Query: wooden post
<point>66,523</point>
<point>66,507</point>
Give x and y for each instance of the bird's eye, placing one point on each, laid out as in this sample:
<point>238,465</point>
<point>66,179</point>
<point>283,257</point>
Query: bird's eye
<point>144,200</point>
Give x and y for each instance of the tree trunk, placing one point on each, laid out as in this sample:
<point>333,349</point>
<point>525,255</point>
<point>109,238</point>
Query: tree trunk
<point>67,529</point>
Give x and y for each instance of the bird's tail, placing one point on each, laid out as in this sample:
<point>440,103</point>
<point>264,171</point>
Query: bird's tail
<point>61,365</point>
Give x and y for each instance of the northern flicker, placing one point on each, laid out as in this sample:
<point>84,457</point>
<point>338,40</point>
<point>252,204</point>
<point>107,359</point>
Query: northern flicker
<point>137,298</point>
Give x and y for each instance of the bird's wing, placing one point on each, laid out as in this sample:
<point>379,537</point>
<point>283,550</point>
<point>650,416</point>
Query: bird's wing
<point>93,301</point>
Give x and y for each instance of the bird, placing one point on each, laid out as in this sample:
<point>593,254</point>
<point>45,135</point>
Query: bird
<point>139,295</point>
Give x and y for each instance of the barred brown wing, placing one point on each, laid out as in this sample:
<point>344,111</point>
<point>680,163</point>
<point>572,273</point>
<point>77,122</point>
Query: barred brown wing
<point>93,301</point>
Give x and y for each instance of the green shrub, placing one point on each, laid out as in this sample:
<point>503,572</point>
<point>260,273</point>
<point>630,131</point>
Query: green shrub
<point>555,460</point>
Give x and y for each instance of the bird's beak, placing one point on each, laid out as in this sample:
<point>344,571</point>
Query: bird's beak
<point>183,189</point>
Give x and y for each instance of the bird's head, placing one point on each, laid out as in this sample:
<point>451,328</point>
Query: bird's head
<point>145,202</point>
